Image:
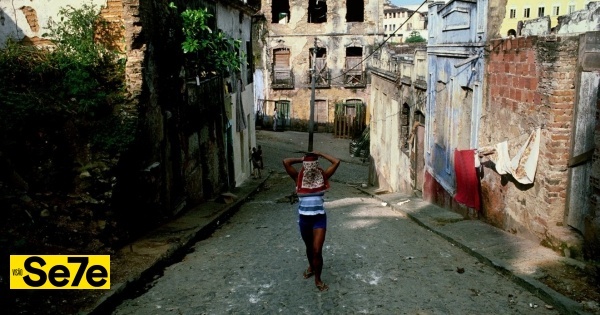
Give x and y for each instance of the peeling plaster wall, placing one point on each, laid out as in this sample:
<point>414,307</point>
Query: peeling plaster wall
<point>228,20</point>
<point>335,35</point>
<point>585,20</point>
<point>29,18</point>
<point>395,82</point>
<point>458,31</point>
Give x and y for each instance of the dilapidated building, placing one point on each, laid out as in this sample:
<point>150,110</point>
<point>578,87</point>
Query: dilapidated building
<point>333,38</point>
<point>510,124</point>
<point>398,98</point>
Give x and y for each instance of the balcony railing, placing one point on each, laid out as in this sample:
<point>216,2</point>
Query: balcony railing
<point>282,79</point>
<point>323,79</point>
<point>354,78</point>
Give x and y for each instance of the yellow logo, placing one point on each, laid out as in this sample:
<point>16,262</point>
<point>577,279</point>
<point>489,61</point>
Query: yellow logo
<point>60,271</point>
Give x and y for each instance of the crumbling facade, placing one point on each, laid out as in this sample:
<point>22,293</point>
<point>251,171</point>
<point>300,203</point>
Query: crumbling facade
<point>397,129</point>
<point>194,135</point>
<point>331,37</point>
<point>550,83</point>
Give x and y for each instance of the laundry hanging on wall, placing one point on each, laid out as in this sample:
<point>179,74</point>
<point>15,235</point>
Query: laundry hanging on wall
<point>523,165</point>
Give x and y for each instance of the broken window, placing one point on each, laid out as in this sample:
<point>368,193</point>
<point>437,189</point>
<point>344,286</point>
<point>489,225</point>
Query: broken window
<point>404,128</point>
<point>317,11</point>
<point>322,77</point>
<point>280,11</point>
<point>354,76</point>
<point>355,11</point>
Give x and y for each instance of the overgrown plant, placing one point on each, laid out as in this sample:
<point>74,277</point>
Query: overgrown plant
<point>210,51</point>
<point>78,82</point>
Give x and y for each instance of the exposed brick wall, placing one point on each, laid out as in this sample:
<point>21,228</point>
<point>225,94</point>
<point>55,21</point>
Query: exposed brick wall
<point>531,83</point>
<point>113,33</point>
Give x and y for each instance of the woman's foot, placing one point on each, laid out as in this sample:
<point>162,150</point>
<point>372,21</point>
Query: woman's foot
<point>308,273</point>
<point>322,286</point>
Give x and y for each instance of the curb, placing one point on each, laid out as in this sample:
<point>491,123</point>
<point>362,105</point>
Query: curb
<point>562,304</point>
<point>175,252</point>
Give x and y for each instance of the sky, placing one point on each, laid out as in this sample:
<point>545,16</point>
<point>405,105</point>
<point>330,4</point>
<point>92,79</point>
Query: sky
<point>406,2</point>
<point>409,4</point>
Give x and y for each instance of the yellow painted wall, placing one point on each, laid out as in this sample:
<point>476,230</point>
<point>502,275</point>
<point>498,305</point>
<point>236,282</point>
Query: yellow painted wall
<point>520,5</point>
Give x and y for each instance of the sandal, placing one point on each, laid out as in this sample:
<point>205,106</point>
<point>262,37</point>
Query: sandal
<point>322,287</point>
<point>308,273</point>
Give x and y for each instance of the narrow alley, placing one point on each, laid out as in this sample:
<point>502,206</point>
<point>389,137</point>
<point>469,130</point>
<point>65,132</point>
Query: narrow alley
<point>377,261</point>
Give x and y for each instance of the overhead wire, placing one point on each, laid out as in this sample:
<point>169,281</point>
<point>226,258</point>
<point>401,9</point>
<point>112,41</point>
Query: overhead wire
<point>380,45</point>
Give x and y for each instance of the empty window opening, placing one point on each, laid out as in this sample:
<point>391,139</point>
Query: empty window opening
<point>404,129</point>
<point>355,11</point>
<point>317,11</point>
<point>320,58</point>
<point>353,70</point>
<point>280,11</point>
<point>353,59</point>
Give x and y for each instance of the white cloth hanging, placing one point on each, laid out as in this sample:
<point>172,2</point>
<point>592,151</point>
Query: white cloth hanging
<point>524,164</point>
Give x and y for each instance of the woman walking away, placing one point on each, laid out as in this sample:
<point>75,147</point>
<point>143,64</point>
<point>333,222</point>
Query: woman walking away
<point>311,184</point>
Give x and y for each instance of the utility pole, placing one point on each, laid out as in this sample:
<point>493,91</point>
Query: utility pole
<point>311,118</point>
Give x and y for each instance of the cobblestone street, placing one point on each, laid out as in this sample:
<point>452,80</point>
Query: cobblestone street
<point>376,260</point>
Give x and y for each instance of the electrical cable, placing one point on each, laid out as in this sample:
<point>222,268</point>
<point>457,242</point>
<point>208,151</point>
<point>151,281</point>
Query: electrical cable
<point>381,45</point>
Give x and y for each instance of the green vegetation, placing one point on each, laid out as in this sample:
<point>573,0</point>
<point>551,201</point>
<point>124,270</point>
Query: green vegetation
<point>78,82</point>
<point>207,50</point>
<point>415,37</point>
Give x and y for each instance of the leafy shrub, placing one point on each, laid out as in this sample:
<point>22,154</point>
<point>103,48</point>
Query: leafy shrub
<point>63,98</point>
<point>208,50</point>
<point>415,37</point>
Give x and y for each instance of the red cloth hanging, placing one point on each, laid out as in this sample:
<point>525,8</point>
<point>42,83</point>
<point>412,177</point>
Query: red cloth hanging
<point>467,181</point>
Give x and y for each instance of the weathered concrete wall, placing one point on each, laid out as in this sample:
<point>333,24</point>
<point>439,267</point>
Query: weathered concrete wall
<point>237,24</point>
<point>180,157</point>
<point>585,20</point>
<point>531,84</point>
<point>458,31</point>
<point>398,92</point>
<point>539,26</point>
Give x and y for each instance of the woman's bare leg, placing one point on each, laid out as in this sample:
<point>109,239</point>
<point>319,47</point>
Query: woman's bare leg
<point>316,257</point>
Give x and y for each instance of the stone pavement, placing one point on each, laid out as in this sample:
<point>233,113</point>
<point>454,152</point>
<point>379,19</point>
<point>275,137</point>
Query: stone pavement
<point>518,258</point>
<point>521,259</point>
